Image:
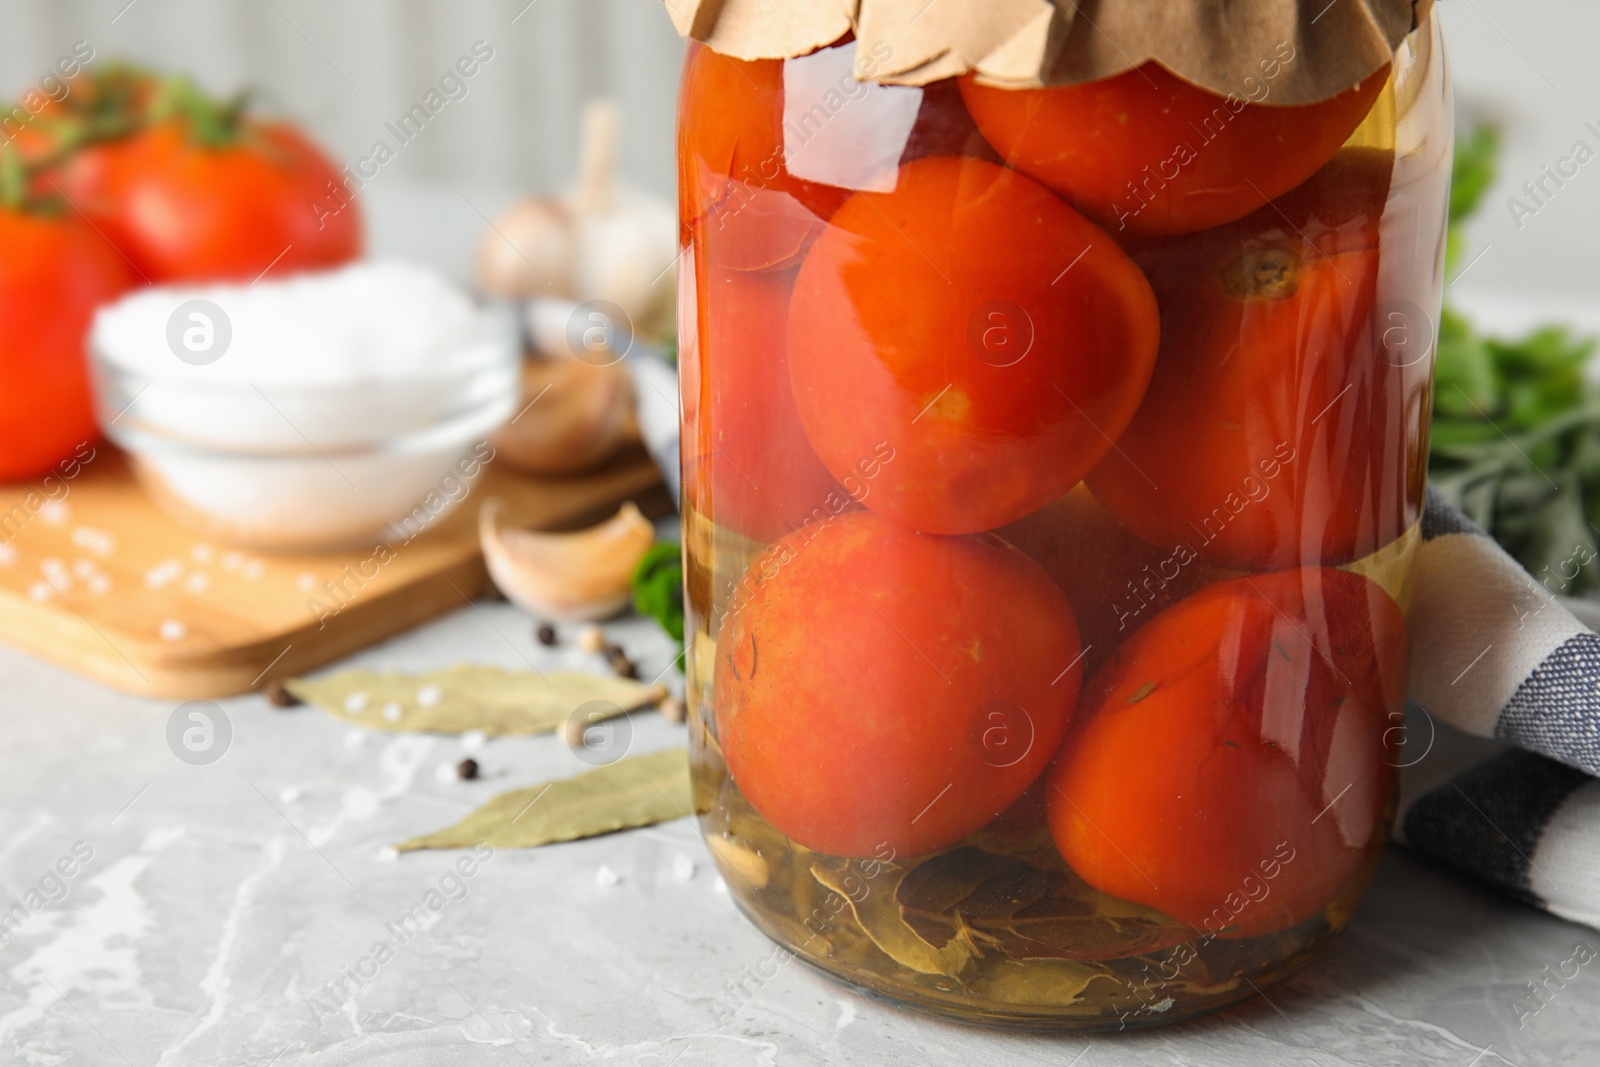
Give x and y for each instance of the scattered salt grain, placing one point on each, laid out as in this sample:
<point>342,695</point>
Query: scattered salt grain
<point>474,740</point>
<point>83,568</point>
<point>720,886</point>
<point>99,542</point>
<point>429,695</point>
<point>355,702</point>
<point>291,794</point>
<point>197,582</point>
<point>306,582</point>
<point>164,573</point>
<point>354,739</point>
<point>232,560</point>
<point>446,773</point>
<point>202,552</point>
<point>606,878</point>
<point>393,712</point>
<point>254,569</point>
<point>8,554</point>
<point>55,572</point>
<point>99,585</point>
<point>388,854</point>
<point>40,591</point>
<point>682,867</point>
<point>55,513</point>
<point>173,630</point>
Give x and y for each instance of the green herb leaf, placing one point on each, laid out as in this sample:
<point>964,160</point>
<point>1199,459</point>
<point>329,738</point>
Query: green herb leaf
<point>1473,169</point>
<point>658,587</point>
<point>1471,173</point>
<point>466,697</point>
<point>632,792</point>
<point>1516,444</point>
<point>13,178</point>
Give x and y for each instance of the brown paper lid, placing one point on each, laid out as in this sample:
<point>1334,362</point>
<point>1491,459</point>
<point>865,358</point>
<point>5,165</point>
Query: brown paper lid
<point>1223,45</point>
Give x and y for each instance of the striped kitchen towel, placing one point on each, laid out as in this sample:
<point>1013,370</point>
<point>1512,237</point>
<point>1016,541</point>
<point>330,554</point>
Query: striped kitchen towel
<point>1496,654</point>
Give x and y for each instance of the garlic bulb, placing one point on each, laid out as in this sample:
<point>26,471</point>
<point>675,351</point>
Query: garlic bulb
<point>628,256</point>
<point>567,577</point>
<point>599,242</point>
<point>572,416</point>
<point>529,251</point>
<point>627,240</point>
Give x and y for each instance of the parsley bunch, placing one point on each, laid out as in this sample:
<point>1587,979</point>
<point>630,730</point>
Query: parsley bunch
<point>1516,424</point>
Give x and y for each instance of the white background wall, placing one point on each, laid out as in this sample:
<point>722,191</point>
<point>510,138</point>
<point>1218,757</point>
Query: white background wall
<point>347,66</point>
<point>1534,66</point>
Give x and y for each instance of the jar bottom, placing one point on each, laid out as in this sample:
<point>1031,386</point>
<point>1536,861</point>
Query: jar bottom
<point>996,930</point>
<point>961,1009</point>
<point>842,921</point>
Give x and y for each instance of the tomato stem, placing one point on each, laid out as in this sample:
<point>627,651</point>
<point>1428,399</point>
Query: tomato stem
<point>73,135</point>
<point>13,179</point>
<point>211,123</point>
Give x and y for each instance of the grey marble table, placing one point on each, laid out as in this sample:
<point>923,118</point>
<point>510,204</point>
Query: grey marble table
<point>221,901</point>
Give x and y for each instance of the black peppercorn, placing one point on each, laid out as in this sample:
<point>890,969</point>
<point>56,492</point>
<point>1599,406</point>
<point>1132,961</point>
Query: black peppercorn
<point>546,635</point>
<point>468,768</point>
<point>620,663</point>
<point>279,696</point>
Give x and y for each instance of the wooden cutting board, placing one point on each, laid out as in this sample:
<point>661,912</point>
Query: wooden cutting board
<point>101,582</point>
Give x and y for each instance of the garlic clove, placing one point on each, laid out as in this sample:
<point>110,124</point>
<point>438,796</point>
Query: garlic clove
<point>529,251</point>
<point>572,416</point>
<point>569,577</point>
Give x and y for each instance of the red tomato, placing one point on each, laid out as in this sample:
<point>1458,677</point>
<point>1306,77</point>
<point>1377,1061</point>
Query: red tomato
<point>731,146</point>
<point>769,149</point>
<point>1147,152</point>
<point>53,274</point>
<point>876,686</point>
<point>1230,767</point>
<point>1114,581</point>
<point>751,469</point>
<point>183,211</point>
<point>105,102</point>
<point>991,335</point>
<point>1277,431</point>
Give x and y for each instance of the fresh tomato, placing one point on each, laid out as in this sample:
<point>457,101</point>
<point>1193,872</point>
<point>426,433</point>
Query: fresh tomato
<point>99,104</point>
<point>876,686</point>
<point>1230,766</point>
<point>751,468</point>
<point>185,210</point>
<point>1277,430</point>
<point>1114,581</point>
<point>54,272</point>
<point>993,337</point>
<point>1147,152</point>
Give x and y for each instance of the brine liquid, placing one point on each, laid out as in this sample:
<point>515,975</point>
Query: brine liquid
<point>890,924</point>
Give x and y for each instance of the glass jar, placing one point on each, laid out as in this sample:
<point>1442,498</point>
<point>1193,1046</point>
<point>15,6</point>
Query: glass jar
<point>1053,463</point>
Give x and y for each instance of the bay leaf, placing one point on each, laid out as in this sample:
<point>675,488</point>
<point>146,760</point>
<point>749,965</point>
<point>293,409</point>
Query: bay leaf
<point>1027,912</point>
<point>466,697</point>
<point>1053,984</point>
<point>632,792</point>
<point>879,917</point>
